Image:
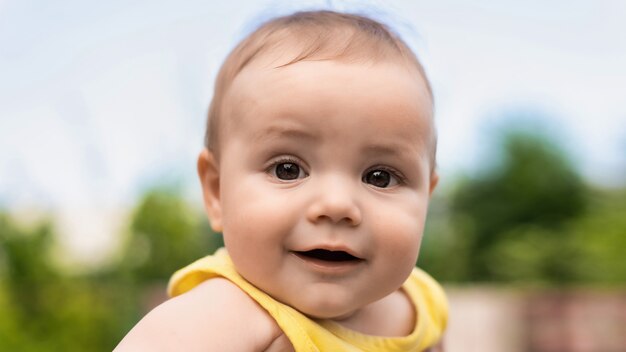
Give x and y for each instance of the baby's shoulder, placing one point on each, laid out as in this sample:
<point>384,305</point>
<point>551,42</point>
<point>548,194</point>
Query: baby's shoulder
<point>215,314</point>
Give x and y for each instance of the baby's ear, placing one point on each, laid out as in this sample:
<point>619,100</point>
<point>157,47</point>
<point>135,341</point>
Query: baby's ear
<point>434,180</point>
<point>209,173</point>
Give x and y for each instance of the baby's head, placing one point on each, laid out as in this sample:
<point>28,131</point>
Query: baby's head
<point>312,36</point>
<point>319,161</point>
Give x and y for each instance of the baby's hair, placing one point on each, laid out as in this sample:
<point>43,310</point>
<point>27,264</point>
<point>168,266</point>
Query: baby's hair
<point>317,35</point>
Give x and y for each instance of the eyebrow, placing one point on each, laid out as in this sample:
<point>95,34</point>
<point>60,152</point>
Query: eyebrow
<point>394,149</point>
<point>277,131</point>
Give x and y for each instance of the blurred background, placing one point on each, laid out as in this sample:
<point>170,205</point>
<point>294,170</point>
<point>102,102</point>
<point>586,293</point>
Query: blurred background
<point>102,112</point>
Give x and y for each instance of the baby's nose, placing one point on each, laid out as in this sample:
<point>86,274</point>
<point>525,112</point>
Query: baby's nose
<point>335,201</point>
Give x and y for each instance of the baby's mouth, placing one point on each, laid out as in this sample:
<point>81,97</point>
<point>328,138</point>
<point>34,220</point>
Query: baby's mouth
<point>324,255</point>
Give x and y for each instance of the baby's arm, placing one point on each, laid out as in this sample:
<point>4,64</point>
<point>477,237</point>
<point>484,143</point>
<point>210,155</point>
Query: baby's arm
<point>215,316</point>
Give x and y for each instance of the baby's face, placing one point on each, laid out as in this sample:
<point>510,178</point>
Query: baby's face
<point>324,181</point>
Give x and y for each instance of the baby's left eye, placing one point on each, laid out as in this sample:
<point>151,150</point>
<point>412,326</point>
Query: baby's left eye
<point>380,178</point>
<point>287,171</point>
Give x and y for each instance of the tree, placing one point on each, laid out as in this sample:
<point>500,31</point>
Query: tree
<point>45,309</point>
<point>165,234</point>
<point>527,197</point>
<point>507,223</point>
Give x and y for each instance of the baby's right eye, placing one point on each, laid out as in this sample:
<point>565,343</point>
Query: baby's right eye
<point>287,171</point>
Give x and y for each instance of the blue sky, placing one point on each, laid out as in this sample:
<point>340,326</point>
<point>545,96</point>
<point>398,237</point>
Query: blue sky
<point>101,99</point>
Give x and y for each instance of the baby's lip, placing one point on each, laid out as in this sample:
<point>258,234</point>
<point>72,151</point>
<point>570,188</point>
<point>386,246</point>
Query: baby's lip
<point>339,250</point>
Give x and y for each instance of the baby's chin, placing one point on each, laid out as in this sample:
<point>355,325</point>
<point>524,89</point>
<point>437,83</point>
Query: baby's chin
<point>327,314</point>
<point>326,309</point>
<point>329,301</point>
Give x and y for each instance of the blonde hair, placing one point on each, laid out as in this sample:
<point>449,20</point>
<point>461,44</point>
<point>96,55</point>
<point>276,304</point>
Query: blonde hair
<point>318,35</point>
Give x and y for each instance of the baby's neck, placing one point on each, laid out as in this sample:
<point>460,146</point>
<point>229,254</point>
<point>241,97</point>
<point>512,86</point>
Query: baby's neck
<point>393,315</point>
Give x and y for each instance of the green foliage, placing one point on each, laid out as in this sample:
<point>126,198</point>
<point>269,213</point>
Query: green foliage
<point>165,234</point>
<point>45,309</point>
<point>529,219</point>
<point>598,240</point>
<point>25,261</point>
<point>585,250</point>
<point>444,253</point>
<point>533,187</point>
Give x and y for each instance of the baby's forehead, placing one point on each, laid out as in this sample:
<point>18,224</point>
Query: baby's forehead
<point>269,80</point>
<point>327,89</point>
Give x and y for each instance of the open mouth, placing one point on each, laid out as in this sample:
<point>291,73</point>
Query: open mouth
<point>324,255</point>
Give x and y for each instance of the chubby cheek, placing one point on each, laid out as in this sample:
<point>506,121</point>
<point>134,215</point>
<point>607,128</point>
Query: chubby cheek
<point>399,232</point>
<point>254,227</point>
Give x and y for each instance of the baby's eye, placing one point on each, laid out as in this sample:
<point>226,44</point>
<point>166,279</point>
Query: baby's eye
<point>287,171</point>
<point>380,178</point>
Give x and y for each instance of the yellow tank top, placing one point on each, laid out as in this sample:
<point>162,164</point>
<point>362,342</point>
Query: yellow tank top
<point>310,335</point>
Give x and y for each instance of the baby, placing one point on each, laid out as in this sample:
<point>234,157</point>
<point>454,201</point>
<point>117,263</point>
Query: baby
<point>318,169</point>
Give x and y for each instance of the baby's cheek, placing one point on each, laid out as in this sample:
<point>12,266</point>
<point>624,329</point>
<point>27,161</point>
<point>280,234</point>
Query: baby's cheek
<point>260,215</point>
<point>247,205</point>
<point>400,235</point>
<point>253,236</point>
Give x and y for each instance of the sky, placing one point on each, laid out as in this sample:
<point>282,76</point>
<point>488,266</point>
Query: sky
<point>101,100</point>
